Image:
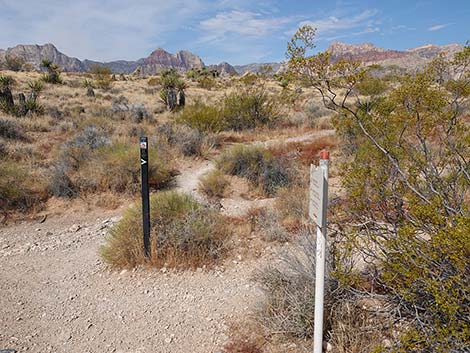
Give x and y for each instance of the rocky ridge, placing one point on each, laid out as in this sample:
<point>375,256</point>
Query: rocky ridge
<point>184,60</point>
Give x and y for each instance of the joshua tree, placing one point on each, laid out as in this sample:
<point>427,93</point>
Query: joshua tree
<point>181,86</point>
<point>172,93</point>
<point>89,86</point>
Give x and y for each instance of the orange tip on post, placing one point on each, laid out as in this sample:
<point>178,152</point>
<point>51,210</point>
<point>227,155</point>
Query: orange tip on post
<point>324,154</point>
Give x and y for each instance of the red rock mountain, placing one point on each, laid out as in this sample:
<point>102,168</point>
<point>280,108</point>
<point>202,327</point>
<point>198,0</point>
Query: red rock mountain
<point>369,53</point>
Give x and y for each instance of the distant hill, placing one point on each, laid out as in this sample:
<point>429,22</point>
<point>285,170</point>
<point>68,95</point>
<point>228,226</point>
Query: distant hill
<point>370,54</point>
<point>157,61</point>
<point>184,60</point>
<point>256,67</point>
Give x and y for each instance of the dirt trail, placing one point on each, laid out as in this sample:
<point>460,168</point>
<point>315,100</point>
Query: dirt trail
<point>189,177</point>
<point>57,296</point>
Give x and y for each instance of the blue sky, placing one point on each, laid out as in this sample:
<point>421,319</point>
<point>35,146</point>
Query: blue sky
<point>239,32</point>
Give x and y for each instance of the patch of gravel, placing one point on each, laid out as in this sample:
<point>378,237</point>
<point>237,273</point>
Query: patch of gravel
<point>57,295</point>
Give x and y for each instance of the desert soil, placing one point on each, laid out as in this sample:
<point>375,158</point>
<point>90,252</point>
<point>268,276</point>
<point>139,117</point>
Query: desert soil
<point>58,296</point>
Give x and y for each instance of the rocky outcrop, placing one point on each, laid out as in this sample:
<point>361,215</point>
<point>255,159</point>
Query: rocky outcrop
<point>184,60</point>
<point>256,67</point>
<point>119,66</point>
<point>34,54</point>
<point>160,59</point>
<point>156,62</point>
<point>369,53</point>
<point>224,69</point>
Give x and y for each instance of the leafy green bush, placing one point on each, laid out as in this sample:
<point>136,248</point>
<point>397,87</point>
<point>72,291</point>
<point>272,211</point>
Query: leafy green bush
<point>185,234</point>
<point>406,185</point>
<point>249,108</point>
<point>258,165</point>
<point>52,74</point>
<point>431,280</point>
<point>202,116</point>
<point>214,183</point>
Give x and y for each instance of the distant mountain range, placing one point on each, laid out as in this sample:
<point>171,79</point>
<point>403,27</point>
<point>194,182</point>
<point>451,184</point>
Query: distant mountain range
<point>184,60</point>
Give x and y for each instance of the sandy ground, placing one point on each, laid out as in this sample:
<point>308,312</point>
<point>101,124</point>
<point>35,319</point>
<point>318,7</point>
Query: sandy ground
<point>56,295</point>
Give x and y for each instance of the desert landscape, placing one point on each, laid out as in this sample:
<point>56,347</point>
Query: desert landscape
<point>231,264</point>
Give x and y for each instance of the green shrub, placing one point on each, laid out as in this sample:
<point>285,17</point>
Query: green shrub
<point>52,74</point>
<point>371,86</point>
<point>249,108</point>
<point>103,76</point>
<point>201,116</point>
<point>185,234</point>
<point>19,188</point>
<point>431,281</point>
<point>258,165</point>
<point>214,184</point>
<point>206,82</point>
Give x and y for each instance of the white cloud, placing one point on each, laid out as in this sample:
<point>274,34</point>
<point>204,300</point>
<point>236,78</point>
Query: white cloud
<point>438,27</point>
<point>334,24</point>
<point>243,23</point>
<point>101,30</point>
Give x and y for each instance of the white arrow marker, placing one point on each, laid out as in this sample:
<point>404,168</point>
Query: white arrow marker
<point>142,161</point>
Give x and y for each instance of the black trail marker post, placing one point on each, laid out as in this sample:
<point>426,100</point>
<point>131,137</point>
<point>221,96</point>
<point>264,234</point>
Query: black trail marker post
<point>144,164</point>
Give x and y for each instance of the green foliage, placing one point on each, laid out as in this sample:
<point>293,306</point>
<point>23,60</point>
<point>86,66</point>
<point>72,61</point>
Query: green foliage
<point>258,165</point>
<point>406,184</point>
<point>102,75</point>
<point>25,105</point>
<point>249,79</point>
<point>249,108</point>
<point>172,93</point>
<point>432,280</point>
<point>185,234</point>
<point>206,82</point>
<point>52,74</point>
<point>246,109</point>
<point>202,116</point>
<point>7,104</point>
<point>371,86</point>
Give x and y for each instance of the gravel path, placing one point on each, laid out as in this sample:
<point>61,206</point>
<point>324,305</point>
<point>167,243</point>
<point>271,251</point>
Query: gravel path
<point>57,295</point>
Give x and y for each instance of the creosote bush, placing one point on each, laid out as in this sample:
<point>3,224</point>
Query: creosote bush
<point>405,180</point>
<point>258,165</point>
<point>201,116</point>
<point>246,109</point>
<point>185,234</point>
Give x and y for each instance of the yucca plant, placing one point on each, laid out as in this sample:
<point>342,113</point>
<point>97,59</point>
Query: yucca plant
<point>53,72</point>
<point>6,97</point>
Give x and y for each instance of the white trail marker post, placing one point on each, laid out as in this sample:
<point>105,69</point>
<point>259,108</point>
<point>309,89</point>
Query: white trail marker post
<point>317,213</point>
